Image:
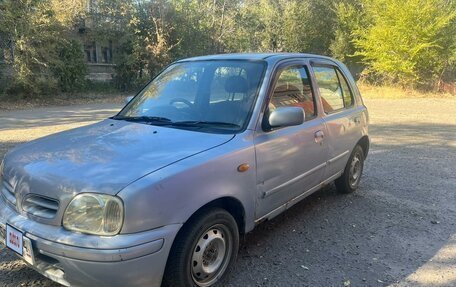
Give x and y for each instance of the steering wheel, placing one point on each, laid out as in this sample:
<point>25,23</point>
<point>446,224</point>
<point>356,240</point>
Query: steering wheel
<point>193,110</point>
<point>182,100</point>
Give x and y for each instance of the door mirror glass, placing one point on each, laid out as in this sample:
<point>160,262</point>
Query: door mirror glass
<point>286,116</point>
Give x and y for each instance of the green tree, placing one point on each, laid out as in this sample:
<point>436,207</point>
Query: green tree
<point>38,34</point>
<point>251,32</point>
<point>407,41</point>
<point>308,26</point>
<point>145,35</point>
<point>410,42</point>
<point>282,25</point>
<point>349,19</point>
<point>30,26</point>
<point>70,69</point>
<point>205,27</point>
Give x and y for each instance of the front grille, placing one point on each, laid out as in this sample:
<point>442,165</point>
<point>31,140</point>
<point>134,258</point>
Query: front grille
<point>8,193</point>
<point>40,206</point>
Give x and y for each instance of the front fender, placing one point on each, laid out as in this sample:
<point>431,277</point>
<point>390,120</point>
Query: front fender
<point>171,195</point>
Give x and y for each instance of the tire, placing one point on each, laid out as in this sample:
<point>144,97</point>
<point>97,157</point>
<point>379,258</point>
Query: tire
<point>196,255</point>
<point>349,180</point>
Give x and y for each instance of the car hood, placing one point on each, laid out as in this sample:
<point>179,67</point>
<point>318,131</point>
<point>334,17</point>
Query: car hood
<point>103,157</point>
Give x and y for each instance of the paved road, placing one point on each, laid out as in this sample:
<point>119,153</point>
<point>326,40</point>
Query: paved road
<point>397,230</point>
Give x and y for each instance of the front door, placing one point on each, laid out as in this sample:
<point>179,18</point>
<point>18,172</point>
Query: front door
<point>290,160</point>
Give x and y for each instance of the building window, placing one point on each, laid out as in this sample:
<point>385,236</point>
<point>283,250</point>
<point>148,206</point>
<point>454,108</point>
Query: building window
<point>106,53</point>
<point>96,53</point>
<point>91,52</point>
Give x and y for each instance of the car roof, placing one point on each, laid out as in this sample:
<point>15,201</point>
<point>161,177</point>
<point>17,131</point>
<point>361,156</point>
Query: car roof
<point>270,57</point>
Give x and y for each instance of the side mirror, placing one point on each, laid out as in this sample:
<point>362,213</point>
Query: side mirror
<point>128,99</point>
<point>286,116</point>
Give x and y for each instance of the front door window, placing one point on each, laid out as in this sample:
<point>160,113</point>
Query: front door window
<point>293,89</point>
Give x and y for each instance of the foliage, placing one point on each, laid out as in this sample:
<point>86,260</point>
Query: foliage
<point>70,70</point>
<point>349,20</point>
<point>145,39</point>
<point>36,32</point>
<point>281,25</point>
<point>2,80</point>
<point>309,26</point>
<point>409,42</point>
<point>66,12</point>
<point>29,23</point>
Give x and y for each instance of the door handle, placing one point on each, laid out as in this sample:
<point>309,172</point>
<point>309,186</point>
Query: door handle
<point>319,135</point>
<point>357,120</point>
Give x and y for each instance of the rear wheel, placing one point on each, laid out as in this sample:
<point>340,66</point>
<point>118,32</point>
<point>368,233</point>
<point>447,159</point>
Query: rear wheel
<point>349,180</point>
<point>204,251</point>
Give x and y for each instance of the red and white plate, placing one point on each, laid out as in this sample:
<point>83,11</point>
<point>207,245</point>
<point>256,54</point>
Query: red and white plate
<point>14,240</point>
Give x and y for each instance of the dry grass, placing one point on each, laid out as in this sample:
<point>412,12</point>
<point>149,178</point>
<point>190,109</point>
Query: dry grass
<point>390,92</point>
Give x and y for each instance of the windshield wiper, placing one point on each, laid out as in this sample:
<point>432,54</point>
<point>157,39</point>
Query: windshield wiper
<point>204,123</point>
<point>145,119</point>
<point>166,121</point>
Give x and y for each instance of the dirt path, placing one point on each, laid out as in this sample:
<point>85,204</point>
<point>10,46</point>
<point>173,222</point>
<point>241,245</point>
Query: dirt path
<point>399,229</point>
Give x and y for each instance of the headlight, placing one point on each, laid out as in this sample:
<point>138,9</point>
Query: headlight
<point>94,214</point>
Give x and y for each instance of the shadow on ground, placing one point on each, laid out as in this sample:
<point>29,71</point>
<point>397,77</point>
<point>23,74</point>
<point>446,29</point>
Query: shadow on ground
<point>401,217</point>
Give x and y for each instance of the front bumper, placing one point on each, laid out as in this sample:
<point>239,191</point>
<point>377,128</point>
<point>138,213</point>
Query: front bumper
<point>76,259</point>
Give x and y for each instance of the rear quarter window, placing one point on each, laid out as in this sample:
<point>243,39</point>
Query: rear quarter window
<point>346,91</point>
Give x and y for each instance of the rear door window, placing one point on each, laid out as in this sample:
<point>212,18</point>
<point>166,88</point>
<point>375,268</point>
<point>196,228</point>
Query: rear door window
<point>334,90</point>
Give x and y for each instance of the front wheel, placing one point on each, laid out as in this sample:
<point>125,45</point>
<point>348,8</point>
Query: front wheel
<point>203,251</point>
<point>349,180</point>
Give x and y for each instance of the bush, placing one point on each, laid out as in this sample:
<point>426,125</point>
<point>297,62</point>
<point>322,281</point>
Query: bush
<point>100,87</point>
<point>71,68</point>
<point>42,85</point>
<point>407,42</point>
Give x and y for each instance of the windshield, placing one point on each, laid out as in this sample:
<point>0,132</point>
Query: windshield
<point>206,95</point>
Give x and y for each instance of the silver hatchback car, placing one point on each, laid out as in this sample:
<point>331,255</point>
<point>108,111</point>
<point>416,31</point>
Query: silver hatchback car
<point>160,193</point>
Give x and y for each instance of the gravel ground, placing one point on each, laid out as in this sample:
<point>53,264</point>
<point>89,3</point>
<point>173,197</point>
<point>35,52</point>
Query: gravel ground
<point>397,230</point>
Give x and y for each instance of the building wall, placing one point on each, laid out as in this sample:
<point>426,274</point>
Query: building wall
<point>99,72</point>
<point>98,55</point>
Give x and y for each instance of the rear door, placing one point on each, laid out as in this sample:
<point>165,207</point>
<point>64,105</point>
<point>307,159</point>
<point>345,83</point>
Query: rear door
<point>290,160</point>
<point>341,117</point>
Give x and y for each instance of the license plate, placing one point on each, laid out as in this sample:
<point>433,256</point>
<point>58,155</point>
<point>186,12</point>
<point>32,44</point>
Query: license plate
<point>28,251</point>
<point>14,240</point>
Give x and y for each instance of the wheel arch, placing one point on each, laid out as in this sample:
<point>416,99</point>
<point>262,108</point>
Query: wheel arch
<point>231,205</point>
<point>364,142</point>
<point>228,203</point>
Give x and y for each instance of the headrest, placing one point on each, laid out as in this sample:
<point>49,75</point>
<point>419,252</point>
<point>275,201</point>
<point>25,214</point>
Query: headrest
<point>236,84</point>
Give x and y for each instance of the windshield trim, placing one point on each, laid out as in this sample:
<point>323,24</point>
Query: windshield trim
<point>249,114</point>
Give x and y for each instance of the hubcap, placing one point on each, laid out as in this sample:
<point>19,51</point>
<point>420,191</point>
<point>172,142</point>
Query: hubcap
<point>211,255</point>
<point>356,167</point>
